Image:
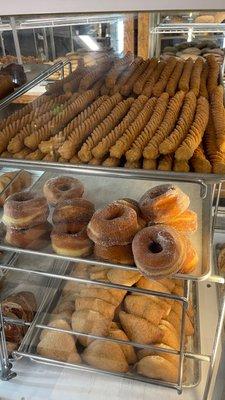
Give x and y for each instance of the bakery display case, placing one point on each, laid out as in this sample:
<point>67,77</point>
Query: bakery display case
<point>111,209</point>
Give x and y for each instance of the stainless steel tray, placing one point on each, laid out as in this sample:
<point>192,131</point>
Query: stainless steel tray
<point>108,188</point>
<point>192,368</point>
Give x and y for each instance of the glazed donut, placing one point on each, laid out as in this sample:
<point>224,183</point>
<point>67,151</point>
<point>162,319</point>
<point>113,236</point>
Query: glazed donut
<point>74,244</point>
<point>114,224</point>
<point>191,258</point>
<point>115,254</point>
<point>24,210</point>
<point>158,251</point>
<point>34,238</point>
<point>62,187</point>
<point>187,222</point>
<point>135,206</point>
<point>163,202</point>
<point>73,214</point>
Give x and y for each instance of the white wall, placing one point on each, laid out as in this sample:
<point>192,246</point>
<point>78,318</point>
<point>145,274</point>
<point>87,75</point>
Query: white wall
<point>14,7</point>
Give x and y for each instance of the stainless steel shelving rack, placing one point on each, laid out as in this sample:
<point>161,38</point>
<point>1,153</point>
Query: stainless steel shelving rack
<point>203,180</point>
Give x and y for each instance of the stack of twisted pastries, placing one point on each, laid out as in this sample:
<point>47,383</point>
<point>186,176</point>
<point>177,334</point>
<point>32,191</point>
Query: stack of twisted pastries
<point>129,112</point>
<point>117,314</point>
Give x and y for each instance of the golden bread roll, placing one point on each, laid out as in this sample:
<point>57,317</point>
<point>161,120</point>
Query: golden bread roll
<point>157,367</point>
<point>143,307</point>
<point>99,305</point>
<point>139,329</point>
<point>128,350</point>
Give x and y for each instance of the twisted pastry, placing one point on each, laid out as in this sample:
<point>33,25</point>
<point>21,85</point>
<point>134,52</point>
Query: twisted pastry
<point>22,153</point>
<point>69,148</point>
<point>213,73</point>
<point>172,83</point>
<point>152,149</point>
<point>216,157</point>
<point>50,157</point>
<point>149,85</point>
<point>59,120</point>
<point>181,166</point>
<point>72,85</point>
<point>194,137</point>
<point>35,155</point>
<point>94,75</point>
<point>166,163</point>
<point>117,69</point>
<point>47,146</point>
<point>6,154</point>
<point>109,123</point>
<point>149,164</point>
<point>195,79</point>
<point>17,143</point>
<point>139,84</point>
<point>104,90</point>
<point>95,161</point>
<point>186,75</point>
<point>218,113</point>
<point>125,76</point>
<point>127,88</point>
<point>203,82</point>
<point>56,141</point>
<point>199,161</point>
<point>173,141</point>
<point>136,150</point>
<point>111,162</point>
<point>74,160</point>
<point>104,145</point>
<point>125,141</point>
<point>164,77</point>
<point>133,164</point>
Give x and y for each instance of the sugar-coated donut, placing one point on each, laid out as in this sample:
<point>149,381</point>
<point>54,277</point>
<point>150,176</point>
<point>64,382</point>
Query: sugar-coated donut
<point>158,251</point>
<point>115,254</point>
<point>74,244</point>
<point>114,224</point>
<point>191,258</point>
<point>163,202</point>
<point>135,206</point>
<point>34,238</point>
<point>187,222</point>
<point>62,187</point>
<point>73,214</point>
<point>24,210</point>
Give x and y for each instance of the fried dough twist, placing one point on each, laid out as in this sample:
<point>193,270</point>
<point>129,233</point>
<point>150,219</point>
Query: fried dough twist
<point>216,157</point>
<point>109,123</point>
<point>81,132</point>
<point>106,143</point>
<point>127,88</point>
<point>93,76</point>
<point>111,162</point>
<point>126,75</point>
<point>60,120</point>
<point>196,132</point>
<point>35,155</point>
<point>173,141</point>
<point>184,81</point>
<point>172,83</point>
<point>22,153</point>
<point>136,150</point>
<point>218,113</point>
<point>199,161</point>
<point>149,164</point>
<point>139,84</point>
<point>203,82</point>
<point>117,69</point>
<point>149,85</point>
<point>151,151</point>
<point>181,166</point>
<point>125,141</point>
<point>195,79</point>
<point>213,74</point>
<point>166,163</point>
<point>164,77</point>
<point>133,164</point>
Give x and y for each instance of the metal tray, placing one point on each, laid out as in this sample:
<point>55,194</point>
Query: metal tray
<point>192,368</point>
<point>109,188</point>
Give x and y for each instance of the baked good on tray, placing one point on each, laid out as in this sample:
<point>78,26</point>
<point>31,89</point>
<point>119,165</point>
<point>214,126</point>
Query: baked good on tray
<point>153,109</point>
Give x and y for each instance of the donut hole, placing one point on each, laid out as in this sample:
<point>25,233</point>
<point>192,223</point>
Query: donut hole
<point>64,188</point>
<point>160,190</point>
<point>155,247</point>
<point>114,215</point>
